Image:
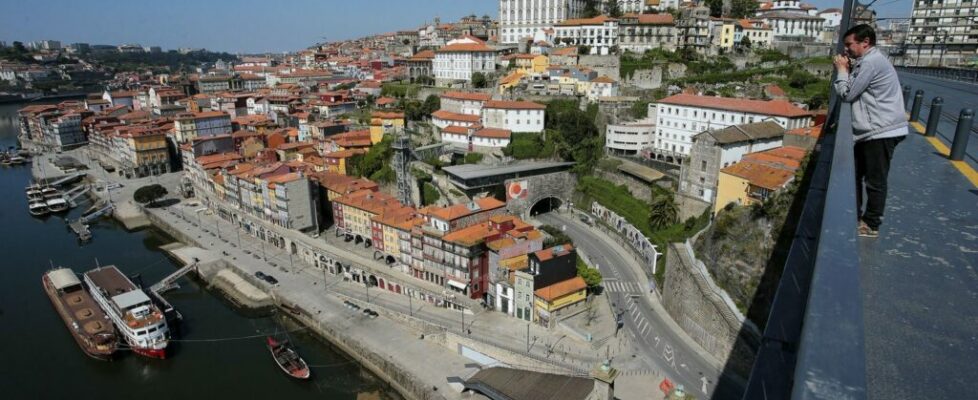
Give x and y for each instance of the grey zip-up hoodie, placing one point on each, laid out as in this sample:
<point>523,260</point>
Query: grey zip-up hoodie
<point>873,88</point>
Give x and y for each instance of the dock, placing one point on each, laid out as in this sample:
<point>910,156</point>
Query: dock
<point>80,229</point>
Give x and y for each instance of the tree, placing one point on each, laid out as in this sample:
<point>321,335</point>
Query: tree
<point>716,8</point>
<point>478,80</point>
<point>425,80</point>
<point>149,194</point>
<point>592,8</point>
<point>431,104</point>
<point>743,8</point>
<point>745,42</point>
<point>663,213</point>
<point>583,50</point>
<point>590,275</point>
<point>614,9</point>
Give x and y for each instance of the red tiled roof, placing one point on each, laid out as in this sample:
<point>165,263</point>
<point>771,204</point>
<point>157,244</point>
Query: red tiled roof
<point>515,105</point>
<point>561,289</point>
<point>457,95</point>
<point>457,211</point>
<point>493,133</point>
<point>599,20</point>
<point>448,115</point>
<point>465,47</point>
<point>779,108</point>
<point>760,174</point>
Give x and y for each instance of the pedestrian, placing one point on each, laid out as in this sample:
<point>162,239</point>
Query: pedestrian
<point>866,79</point>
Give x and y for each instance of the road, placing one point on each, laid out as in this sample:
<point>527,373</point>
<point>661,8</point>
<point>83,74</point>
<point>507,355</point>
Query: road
<point>956,95</point>
<point>661,343</point>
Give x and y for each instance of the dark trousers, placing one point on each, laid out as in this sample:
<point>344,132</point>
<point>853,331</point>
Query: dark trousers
<point>872,166</point>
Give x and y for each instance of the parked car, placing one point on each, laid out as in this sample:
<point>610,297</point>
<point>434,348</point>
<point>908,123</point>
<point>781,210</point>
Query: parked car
<point>260,275</point>
<point>271,279</point>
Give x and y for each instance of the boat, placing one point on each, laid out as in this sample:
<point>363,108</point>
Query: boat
<point>139,322</point>
<point>84,319</point>
<point>38,208</point>
<point>34,192</point>
<point>17,160</point>
<point>287,358</point>
<point>50,192</point>
<point>57,204</point>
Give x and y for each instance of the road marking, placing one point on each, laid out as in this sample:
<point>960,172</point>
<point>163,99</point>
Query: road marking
<point>969,173</point>
<point>644,329</point>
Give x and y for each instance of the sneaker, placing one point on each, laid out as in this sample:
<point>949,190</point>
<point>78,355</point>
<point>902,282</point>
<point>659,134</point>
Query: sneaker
<point>865,231</point>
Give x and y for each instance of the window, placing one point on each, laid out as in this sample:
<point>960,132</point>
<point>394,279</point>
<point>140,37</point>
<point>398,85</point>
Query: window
<point>703,166</point>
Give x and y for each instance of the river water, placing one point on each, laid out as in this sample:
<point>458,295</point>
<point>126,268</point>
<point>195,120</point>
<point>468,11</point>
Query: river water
<point>40,360</point>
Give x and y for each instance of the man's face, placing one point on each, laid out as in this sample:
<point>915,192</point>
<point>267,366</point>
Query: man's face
<point>856,49</point>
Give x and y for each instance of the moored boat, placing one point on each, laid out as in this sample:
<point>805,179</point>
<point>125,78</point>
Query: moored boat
<point>38,208</point>
<point>17,160</point>
<point>287,358</point>
<point>84,319</point>
<point>57,204</point>
<point>137,319</point>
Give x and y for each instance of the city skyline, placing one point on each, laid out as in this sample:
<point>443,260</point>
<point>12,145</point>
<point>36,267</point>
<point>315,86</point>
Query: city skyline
<point>291,26</point>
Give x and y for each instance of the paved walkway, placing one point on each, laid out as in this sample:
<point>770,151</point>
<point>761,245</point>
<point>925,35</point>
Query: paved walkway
<point>920,287</point>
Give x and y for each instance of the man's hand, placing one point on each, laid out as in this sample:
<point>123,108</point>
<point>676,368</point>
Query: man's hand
<point>841,63</point>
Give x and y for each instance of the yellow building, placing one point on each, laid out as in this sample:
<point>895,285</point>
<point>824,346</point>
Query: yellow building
<point>145,151</point>
<point>510,81</point>
<point>726,37</point>
<point>560,295</point>
<point>383,123</point>
<point>757,176</point>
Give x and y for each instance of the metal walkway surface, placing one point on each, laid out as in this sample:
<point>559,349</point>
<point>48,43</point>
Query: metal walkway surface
<point>919,284</point>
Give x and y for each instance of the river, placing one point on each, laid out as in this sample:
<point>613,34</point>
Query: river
<point>42,361</point>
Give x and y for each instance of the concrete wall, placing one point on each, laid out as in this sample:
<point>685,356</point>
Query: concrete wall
<point>604,65</point>
<point>637,188</point>
<point>705,311</point>
<point>560,185</point>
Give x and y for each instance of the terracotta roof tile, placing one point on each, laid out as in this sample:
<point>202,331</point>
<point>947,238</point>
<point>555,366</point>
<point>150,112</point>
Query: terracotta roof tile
<point>515,105</point>
<point>457,95</point>
<point>561,289</point>
<point>779,108</point>
<point>450,116</point>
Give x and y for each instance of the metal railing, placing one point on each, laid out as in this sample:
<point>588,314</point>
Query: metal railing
<point>956,74</point>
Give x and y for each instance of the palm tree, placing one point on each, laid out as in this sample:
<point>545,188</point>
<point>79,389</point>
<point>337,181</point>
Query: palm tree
<point>664,212</point>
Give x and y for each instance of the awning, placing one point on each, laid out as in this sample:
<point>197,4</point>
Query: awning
<point>459,286</point>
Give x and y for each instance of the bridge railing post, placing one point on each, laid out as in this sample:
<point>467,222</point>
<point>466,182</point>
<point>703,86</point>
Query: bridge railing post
<point>960,143</point>
<point>906,96</point>
<point>918,100</point>
<point>934,117</point>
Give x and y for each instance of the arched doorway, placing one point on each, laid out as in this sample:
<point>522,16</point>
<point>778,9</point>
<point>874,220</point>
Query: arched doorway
<point>295,250</point>
<point>372,280</point>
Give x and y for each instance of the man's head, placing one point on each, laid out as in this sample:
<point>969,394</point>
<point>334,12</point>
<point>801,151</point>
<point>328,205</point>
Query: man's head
<point>858,40</point>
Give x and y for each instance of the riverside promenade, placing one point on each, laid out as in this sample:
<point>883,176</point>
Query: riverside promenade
<point>390,345</point>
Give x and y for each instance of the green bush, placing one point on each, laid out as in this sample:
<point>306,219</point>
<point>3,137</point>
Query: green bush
<point>473,158</point>
<point>429,194</point>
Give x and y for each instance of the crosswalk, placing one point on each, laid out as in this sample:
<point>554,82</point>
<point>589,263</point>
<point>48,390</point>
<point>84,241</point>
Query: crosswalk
<point>622,287</point>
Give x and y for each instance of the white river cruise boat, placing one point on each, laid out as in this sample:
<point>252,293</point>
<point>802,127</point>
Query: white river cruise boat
<point>138,320</point>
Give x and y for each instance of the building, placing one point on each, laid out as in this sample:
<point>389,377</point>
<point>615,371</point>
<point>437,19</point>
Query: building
<point>682,116</point>
<point>641,6</point>
<point>832,17</point>
<point>514,116</point>
<point>693,29</point>
<point>791,21</point>
<point>420,65</point>
<point>462,57</point>
<point>758,33</point>
<point>189,126</point>
<point>553,301</point>
<point>716,149</point>
<point>599,34</point>
<point>641,32</point>
<point>476,138</point>
<point>469,103</point>
<point>524,20</point>
<point>943,32</point>
<point>757,177</point>
<point>143,151</point>
<point>628,139</point>
<point>385,123</point>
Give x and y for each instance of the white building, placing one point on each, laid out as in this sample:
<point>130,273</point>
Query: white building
<point>443,119</point>
<point>641,32</point>
<point>600,33</point>
<point>462,57</point>
<point>640,6</point>
<point>832,17</point>
<point>602,86</point>
<point>682,116</point>
<point>476,137</point>
<point>629,138</point>
<point>515,116</point>
<point>790,20</point>
<point>521,20</point>
<point>464,102</point>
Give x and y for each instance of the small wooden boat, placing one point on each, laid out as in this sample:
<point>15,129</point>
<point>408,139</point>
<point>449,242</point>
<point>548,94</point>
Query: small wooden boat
<point>38,208</point>
<point>287,358</point>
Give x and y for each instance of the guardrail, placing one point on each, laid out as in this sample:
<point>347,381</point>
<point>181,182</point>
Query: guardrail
<point>957,74</point>
<point>812,346</point>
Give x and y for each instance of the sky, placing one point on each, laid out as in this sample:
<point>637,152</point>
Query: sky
<point>248,26</point>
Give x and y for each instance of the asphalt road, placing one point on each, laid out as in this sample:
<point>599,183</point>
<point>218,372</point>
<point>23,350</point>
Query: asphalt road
<point>662,347</point>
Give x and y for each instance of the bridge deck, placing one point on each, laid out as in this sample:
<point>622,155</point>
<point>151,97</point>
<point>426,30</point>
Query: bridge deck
<point>919,284</point>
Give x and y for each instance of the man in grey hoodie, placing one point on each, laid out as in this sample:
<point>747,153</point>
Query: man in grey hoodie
<point>866,79</point>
